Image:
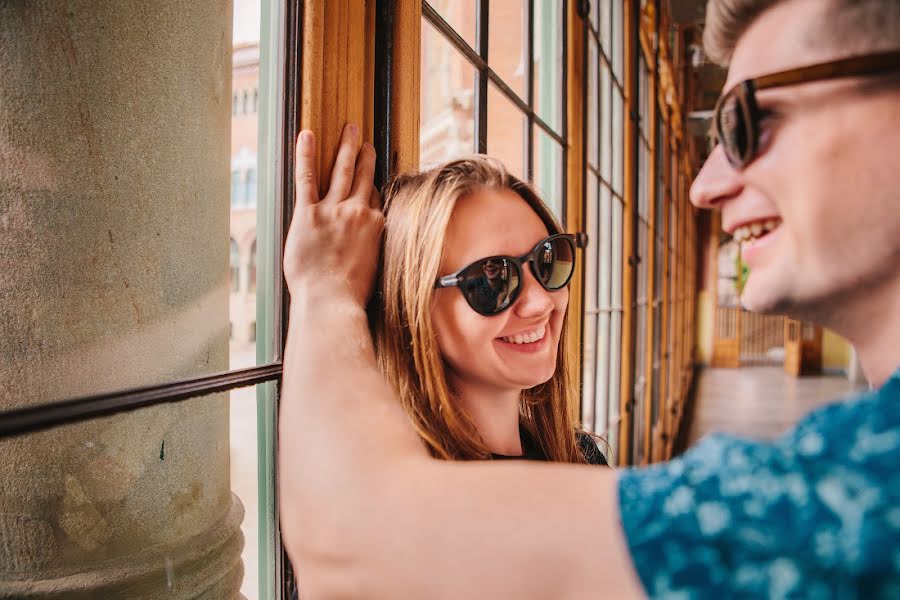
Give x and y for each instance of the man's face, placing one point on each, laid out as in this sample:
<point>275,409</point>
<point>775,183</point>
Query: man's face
<point>827,175</point>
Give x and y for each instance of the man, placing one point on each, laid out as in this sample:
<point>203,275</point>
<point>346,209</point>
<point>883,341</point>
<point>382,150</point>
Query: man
<point>812,158</point>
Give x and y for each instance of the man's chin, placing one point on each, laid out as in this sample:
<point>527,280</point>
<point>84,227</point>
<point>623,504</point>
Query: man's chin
<point>760,298</point>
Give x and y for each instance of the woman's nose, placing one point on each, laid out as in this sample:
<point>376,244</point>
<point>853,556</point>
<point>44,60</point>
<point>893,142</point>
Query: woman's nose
<point>533,300</point>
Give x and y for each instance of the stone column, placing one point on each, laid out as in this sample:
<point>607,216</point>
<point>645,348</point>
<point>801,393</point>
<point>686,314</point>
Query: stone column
<point>114,208</point>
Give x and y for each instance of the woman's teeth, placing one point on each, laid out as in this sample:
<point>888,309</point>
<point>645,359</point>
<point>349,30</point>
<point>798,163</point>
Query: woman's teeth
<point>755,230</point>
<point>526,338</point>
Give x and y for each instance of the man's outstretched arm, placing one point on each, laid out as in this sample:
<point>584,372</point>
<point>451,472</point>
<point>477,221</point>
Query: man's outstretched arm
<point>365,511</point>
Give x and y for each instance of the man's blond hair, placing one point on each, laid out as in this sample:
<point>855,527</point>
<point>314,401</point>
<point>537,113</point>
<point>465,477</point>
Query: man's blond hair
<point>857,26</point>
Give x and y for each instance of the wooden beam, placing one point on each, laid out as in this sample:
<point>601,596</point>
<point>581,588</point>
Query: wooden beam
<point>665,391</point>
<point>628,238</point>
<point>574,218</point>
<point>334,74</point>
<point>650,128</point>
<point>406,86</point>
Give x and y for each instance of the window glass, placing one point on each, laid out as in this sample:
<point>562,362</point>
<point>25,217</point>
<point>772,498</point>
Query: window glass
<point>615,376</point>
<point>604,243</point>
<point>594,106</point>
<point>461,15</point>
<point>589,352</point>
<point>615,352</point>
<point>251,224</point>
<point>605,9</point>
<point>607,131</point>
<point>235,267</point>
<point>617,44</point>
<point>237,188</point>
<point>548,61</point>
<point>618,128</point>
<point>136,220</point>
<point>601,400</point>
<point>506,43</point>
<point>548,170</point>
<point>447,117</point>
<point>505,132</point>
<point>143,189</point>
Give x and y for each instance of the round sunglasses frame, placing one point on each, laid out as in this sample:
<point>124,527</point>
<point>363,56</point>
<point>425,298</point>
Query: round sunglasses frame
<point>457,278</point>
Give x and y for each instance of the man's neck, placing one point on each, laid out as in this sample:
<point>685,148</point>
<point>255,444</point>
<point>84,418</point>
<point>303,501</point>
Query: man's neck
<point>871,322</point>
<point>495,414</point>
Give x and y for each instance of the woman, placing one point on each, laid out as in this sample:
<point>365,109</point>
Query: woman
<point>470,315</point>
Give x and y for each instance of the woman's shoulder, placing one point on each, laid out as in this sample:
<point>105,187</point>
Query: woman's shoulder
<point>588,446</point>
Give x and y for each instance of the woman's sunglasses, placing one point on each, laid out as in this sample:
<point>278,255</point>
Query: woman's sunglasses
<point>737,114</point>
<point>492,284</point>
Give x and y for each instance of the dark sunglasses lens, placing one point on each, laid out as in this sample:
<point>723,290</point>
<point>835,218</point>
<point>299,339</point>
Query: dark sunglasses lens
<point>489,285</point>
<point>732,129</point>
<point>554,263</point>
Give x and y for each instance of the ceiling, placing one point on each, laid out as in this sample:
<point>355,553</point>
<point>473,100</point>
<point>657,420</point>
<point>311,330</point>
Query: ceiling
<point>686,12</point>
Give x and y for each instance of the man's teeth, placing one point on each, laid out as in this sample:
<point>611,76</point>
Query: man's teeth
<point>526,338</point>
<point>755,230</point>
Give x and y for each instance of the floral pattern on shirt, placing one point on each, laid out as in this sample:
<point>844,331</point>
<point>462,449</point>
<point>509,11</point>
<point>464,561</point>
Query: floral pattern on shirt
<point>814,514</point>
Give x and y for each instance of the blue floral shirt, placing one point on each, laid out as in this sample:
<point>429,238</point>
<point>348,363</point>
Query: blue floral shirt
<point>814,514</point>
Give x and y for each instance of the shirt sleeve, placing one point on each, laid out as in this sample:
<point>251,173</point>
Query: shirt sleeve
<point>812,515</point>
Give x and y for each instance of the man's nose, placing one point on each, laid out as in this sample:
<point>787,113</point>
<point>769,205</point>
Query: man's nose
<point>716,182</point>
<point>533,300</point>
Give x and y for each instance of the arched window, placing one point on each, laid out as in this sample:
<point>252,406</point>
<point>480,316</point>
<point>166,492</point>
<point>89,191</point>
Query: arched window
<point>244,101</point>
<point>252,268</point>
<point>234,271</point>
<point>236,189</point>
<point>234,103</point>
<point>250,187</point>
<point>255,99</point>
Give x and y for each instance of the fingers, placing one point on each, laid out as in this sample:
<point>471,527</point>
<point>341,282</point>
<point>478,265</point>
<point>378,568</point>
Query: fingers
<point>365,173</point>
<point>344,165</point>
<point>305,170</point>
<point>375,198</point>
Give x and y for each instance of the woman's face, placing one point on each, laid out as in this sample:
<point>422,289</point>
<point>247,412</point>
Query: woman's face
<point>483,351</point>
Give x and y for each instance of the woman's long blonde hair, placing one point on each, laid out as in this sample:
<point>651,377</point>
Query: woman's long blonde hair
<point>417,209</point>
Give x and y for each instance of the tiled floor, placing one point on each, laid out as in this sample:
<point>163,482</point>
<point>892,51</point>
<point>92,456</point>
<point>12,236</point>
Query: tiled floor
<point>758,402</point>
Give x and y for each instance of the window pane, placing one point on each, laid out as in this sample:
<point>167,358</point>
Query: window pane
<point>601,397</point>
<point>615,350</point>
<point>618,148</point>
<point>506,43</point>
<point>170,494</point>
<point>460,15</point>
<point>132,224</point>
<point>251,306</point>
<point>617,254</point>
<point>604,242</point>
<point>606,127</point>
<point>505,131</point>
<point>605,9</point>
<point>248,408</point>
<point>639,386</point>
<point>149,176</point>
<point>618,40</point>
<point>593,105</point>
<point>589,353</point>
<point>548,171</point>
<point>447,121</point>
<point>593,272</point>
<point>549,62</point>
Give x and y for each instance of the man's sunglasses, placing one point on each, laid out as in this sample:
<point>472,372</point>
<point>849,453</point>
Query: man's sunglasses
<point>492,284</point>
<point>737,114</point>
